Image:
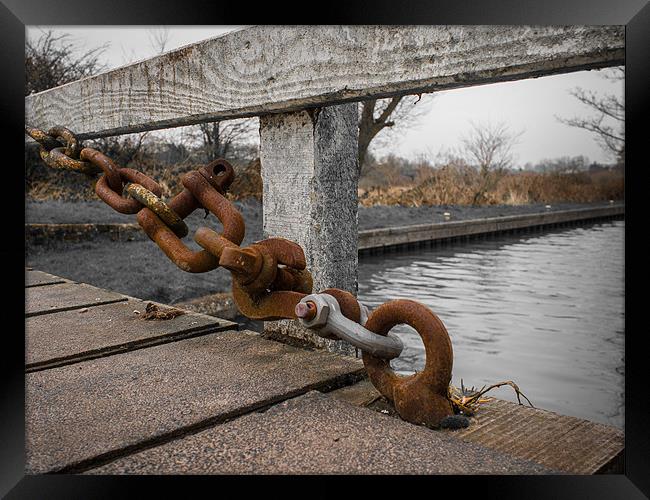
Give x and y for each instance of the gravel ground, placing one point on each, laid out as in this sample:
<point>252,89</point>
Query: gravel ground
<point>139,268</point>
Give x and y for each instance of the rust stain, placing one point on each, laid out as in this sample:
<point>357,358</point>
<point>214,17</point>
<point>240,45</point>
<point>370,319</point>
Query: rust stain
<point>179,55</point>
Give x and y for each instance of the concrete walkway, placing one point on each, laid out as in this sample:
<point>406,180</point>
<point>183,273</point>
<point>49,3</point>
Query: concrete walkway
<point>559,442</point>
<point>108,391</point>
<point>392,238</point>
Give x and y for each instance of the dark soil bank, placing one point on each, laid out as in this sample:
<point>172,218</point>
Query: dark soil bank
<point>139,268</point>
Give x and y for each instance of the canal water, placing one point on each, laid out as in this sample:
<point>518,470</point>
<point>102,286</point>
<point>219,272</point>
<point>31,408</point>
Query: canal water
<point>545,310</point>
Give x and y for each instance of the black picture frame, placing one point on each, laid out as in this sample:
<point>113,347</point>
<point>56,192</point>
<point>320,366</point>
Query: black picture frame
<point>16,14</point>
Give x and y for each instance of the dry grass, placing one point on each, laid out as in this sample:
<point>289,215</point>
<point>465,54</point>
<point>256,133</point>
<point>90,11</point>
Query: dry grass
<point>44,183</point>
<point>453,185</point>
<point>468,401</point>
<point>448,185</point>
<point>247,183</point>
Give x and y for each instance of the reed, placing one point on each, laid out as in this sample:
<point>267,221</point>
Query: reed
<point>461,185</point>
<point>453,184</point>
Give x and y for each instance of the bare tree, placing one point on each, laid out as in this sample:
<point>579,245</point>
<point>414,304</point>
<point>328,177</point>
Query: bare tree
<point>121,149</point>
<point>128,56</point>
<point>563,164</point>
<point>52,60</point>
<point>159,38</point>
<point>395,114</point>
<point>219,138</point>
<point>489,147</point>
<point>608,122</point>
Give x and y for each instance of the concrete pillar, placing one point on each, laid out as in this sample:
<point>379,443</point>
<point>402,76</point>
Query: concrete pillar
<point>310,175</point>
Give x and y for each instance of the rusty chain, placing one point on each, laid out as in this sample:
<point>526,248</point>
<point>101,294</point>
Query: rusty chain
<point>270,280</point>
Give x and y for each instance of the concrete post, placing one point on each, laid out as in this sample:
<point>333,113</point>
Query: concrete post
<point>310,176</point>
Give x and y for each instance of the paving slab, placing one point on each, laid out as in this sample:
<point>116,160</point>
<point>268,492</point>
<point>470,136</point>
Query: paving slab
<point>78,414</point>
<point>65,297</point>
<point>559,442</point>
<point>362,393</point>
<point>71,336</point>
<point>39,278</point>
<point>318,434</point>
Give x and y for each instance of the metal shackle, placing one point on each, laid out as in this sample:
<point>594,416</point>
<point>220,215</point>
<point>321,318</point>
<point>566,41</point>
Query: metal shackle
<point>420,398</point>
<point>328,319</point>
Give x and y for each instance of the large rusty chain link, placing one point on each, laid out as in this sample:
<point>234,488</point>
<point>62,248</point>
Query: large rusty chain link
<point>270,280</point>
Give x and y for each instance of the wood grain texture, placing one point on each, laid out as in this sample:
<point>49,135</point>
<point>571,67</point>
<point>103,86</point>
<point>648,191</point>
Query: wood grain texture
<point>310,178</point>
<point>559,442</point>
<point>556,441</point>
<point>270,69</point>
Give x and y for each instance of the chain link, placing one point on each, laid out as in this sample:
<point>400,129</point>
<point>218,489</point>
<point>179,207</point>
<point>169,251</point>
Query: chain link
<point>270,280</point>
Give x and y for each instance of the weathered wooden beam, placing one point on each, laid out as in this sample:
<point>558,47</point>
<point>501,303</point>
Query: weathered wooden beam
<point>271,69</point>
<point>310,177</point>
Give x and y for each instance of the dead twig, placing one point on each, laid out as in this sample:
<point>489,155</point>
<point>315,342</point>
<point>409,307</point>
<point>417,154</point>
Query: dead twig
<point>154,312</point>
<point>468,401</point>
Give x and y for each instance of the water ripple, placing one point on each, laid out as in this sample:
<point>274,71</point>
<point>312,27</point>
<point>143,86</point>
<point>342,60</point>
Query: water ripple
<point>546,310</point>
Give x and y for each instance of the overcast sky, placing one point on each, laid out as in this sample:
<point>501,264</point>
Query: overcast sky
<point>526,105</point>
